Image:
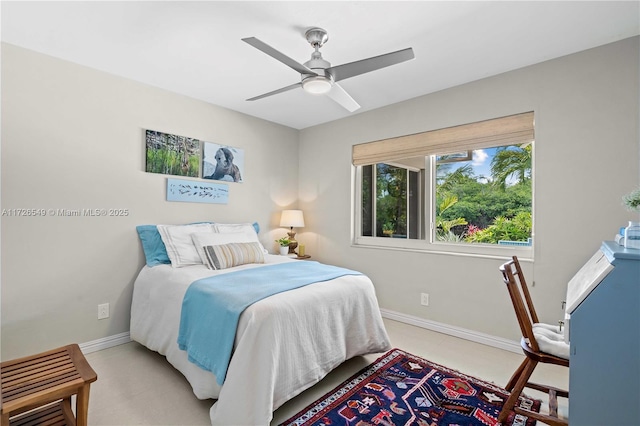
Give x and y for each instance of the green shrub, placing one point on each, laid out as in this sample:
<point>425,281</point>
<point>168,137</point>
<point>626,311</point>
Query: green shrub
<point>516,229</point>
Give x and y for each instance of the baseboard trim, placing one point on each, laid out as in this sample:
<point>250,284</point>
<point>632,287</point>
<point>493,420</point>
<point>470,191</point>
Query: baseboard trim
<point>463,333</point>
<point>105,343</point>
<point>451,330</point>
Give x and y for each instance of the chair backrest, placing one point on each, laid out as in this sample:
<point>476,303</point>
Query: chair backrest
<point>521,298</point>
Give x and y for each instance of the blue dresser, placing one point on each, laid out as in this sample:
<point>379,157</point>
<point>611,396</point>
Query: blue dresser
<point>603,309</point>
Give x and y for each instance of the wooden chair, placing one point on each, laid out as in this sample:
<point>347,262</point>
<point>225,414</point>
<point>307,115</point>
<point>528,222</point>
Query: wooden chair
<point>534,334</point>
<point>37,389</point>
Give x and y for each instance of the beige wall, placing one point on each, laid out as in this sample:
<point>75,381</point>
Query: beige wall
<point>586,158</point>
<point>73,138</point>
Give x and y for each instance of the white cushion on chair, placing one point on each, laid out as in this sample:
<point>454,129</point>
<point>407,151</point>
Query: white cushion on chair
<point>551,340</point>
<point>551,331</point>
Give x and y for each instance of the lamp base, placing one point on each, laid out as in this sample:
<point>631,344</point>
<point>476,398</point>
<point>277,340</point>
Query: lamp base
<point>293,244</point>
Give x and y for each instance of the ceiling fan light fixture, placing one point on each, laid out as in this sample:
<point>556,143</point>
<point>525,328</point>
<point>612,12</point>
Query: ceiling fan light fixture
<point>317,85</point>
<point>318,77</point>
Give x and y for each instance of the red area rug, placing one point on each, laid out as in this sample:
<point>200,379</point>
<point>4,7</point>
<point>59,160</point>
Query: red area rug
<point>404,389</point>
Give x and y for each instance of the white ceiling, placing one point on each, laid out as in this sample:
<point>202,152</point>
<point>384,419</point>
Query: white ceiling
<point>195,48</point>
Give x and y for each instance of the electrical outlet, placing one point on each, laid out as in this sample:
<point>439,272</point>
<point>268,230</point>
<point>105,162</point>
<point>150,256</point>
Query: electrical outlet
<point>103,311</point>
<point>424,299</point>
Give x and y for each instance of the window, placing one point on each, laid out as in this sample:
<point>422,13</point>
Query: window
<point>390,201</point>
<point>466,188</point>
<point>485,198</point>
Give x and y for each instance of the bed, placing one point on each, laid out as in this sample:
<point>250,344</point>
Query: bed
<point>283,344</point>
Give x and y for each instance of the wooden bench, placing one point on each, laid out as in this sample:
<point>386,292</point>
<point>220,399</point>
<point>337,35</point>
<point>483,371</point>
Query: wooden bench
<point>37,389</point>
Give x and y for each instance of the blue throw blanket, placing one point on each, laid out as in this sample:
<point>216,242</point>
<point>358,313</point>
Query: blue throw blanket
<point>212,306</point>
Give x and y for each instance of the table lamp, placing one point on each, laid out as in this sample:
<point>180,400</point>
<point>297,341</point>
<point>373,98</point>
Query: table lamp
<point>291,218</point>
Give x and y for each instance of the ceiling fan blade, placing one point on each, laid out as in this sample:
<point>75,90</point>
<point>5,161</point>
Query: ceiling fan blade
<point>275,92</point>
<point>292,63</point>
<point>344,71</point>
<point>341,97</point>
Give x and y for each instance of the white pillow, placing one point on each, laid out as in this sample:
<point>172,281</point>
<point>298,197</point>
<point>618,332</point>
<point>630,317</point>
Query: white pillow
<point>224,228</point>
<point>203,239</point>
<point>180,247</point>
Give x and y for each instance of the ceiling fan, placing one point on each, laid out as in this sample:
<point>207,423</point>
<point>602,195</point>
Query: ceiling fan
<point>317,76</point>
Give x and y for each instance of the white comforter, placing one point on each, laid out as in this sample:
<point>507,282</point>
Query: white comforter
<point>284,344</point>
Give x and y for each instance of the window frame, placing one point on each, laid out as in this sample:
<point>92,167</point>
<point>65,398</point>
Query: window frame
<point>427,243</point>
<point>418,203</point>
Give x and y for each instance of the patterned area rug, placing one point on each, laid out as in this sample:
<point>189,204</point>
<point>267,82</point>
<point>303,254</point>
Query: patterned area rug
<point>403,389</point>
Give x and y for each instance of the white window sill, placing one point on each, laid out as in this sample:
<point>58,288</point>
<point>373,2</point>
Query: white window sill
<point>489,251</point>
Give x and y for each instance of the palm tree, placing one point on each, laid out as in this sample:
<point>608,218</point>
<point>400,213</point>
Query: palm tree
<point>447,180</point>
<point>511,162</point>
<point>443,227</point>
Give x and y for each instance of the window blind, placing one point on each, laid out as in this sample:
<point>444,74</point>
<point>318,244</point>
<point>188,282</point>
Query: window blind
<point>510,130</point>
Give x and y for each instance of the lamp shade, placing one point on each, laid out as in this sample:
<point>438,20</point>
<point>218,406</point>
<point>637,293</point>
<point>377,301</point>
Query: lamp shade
<point>292,218</point>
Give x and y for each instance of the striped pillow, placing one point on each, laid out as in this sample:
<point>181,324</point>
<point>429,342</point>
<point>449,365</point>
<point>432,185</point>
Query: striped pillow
<point>225,256</point>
